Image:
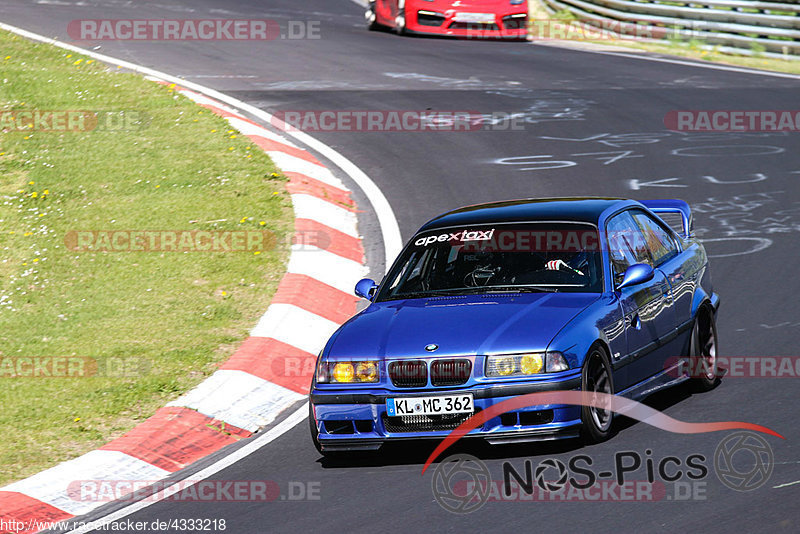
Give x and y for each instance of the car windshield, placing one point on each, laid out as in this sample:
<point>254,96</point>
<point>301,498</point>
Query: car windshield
<point>538,256</point>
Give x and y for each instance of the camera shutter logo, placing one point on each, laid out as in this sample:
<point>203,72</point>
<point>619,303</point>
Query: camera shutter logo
<point>550,485</point>
<point>450,472</point>
<point>750,447</point>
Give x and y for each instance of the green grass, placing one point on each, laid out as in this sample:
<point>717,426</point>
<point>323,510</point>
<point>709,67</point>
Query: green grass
<point>176,315</point>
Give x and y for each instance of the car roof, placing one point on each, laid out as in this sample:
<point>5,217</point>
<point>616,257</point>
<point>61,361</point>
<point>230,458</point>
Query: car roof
<point>578,209</point>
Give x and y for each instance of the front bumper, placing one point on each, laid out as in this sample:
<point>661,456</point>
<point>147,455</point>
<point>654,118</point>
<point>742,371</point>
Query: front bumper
<point>510,25</point>
<point>350,420</point>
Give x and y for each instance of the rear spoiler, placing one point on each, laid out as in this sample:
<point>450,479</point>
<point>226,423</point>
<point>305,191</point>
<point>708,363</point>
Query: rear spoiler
<point>675,207</point>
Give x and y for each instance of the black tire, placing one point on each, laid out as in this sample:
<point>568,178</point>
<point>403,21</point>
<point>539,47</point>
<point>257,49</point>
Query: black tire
<point>597,376</point>
<point>703,362</point>
<point>371,17</point>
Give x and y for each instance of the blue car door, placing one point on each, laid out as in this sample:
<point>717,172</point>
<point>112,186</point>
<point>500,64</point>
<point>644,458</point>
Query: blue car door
<point>647,308</point>
<point>669,259</point>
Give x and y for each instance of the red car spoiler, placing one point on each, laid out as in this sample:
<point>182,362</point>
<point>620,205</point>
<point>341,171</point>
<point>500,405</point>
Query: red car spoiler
<point>673,206</point>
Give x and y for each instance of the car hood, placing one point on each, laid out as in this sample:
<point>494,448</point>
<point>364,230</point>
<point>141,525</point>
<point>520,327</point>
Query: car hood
<point>462,325</point>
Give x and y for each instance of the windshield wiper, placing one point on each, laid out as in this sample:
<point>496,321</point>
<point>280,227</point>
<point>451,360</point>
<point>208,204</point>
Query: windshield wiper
<point>455,291</point>
<point>521,289</point>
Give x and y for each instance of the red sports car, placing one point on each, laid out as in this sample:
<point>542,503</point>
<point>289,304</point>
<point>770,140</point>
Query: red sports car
<point>474,19</point>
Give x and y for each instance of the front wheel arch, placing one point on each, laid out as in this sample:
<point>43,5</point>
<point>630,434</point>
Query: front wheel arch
<point>597,424</point>
<point>703,350</point>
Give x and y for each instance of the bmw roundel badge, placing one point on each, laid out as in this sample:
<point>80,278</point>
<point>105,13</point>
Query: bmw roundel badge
<point>432,347</point>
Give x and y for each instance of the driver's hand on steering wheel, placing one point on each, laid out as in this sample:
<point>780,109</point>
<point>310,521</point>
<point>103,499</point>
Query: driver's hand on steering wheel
<point>557,265</point>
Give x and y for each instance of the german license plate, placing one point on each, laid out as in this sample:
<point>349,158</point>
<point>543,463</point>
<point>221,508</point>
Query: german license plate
<point>476,18</point>
<point>445,404</point>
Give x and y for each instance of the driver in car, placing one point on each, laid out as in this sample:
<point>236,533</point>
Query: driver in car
<point>566,261</point>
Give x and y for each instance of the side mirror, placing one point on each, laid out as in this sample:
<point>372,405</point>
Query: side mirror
<point>636,274</point>
<point>366,288</point>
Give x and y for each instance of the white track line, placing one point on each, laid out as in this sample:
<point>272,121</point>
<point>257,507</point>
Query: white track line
<point>729,68</point>
<point>270,435</point>
<point>59,485</point>
<point>326,213</point>
<point>239,398</point>
<point>327,267</point>
<point>295,326</point>
<point>390,231</point>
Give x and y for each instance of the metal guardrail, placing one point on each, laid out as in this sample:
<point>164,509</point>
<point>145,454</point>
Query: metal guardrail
<point>749,27</point>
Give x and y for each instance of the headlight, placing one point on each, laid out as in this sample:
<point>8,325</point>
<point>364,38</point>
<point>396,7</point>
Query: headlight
<point>343,372</point>
<point>347,372</point>
<point>525,364</point>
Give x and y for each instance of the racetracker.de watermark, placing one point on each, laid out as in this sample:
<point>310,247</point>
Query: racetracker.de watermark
<point>731,120</point>
<point>192,490</point>
<point>736,366</point>
<point>72,367</point>
<point>169,240</point>
<point>191,30</point>
<point>605,30</point>
<point>365,120</point>
<point>75,120</point>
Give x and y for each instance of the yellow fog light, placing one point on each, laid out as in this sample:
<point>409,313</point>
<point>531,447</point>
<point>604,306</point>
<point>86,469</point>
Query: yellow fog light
<point>504,366</point>
<point>343,372</point>
<point>531,364</point>
<point>367,371</point>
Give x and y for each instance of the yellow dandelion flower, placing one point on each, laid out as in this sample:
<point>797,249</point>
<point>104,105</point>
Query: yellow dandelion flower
<point>69,55</point>
<point>78,62</point>
<point>232,137</point>
<point>257,252</point>
<point>46,192</point>
<point>274,193</point>
<point>24,264</point>
<point>31,183</point>
<point>34,194</point>
<point>158,186</point>
<point>230,148</point>
<point>8,57</point>
<point>243,220</point>
<point>213,131</point>
<point>41,215</point>
<point>35,260</point>
<point>262,223</point>
<point>224,293</point>
<point>77,419</point>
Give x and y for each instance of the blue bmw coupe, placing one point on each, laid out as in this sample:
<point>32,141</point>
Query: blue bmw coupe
<point>497,300</point>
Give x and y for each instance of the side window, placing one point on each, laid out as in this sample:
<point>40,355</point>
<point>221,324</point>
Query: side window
<point>661,245</point>
<point>625,244</point>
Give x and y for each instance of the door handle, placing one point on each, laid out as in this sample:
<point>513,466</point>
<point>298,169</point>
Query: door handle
<point>667,296</point>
